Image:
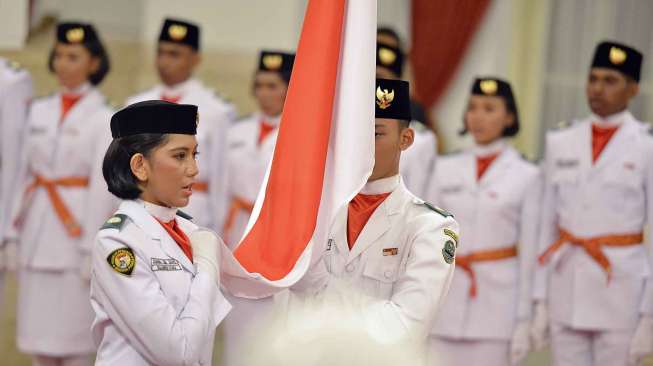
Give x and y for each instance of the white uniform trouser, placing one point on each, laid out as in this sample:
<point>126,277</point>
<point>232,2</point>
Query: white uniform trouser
<point>573,347</point>
<point>455,352</point>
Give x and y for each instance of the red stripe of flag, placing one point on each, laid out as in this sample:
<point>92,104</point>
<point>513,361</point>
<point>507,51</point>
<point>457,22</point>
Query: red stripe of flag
<point>288,216</point>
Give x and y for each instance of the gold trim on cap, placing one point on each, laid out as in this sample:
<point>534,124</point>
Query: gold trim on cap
<point>617,55</point>
<point>489,87</point>
<point>75,35</point>
<point>272,62</point>
<point>177,32</point>
<point>384,98</point>
<point>387,56</point>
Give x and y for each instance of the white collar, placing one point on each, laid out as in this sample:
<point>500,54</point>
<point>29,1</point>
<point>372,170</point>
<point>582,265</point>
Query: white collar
<point>612,120</point>
<point>274,121</point>
<point>177,89</point>
<point>383,185</point>
<point>165,214</point>
<point>494,147</point>
<point>80,90</point>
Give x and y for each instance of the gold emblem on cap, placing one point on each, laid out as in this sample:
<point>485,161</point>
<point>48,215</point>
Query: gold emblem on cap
<point>75,35</point>
<point>197,119</point>
<point>617,55</point>
<point>272,62</point>
<point>489,87</point>
<point>384,98</point>
<point>177,31</point>
<point>387,56</point>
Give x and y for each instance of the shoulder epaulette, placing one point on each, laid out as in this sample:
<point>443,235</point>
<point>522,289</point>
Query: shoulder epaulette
<point>440,211</point>
<point>562,125</point>
<point>116,221</point>
<point>184,215</point>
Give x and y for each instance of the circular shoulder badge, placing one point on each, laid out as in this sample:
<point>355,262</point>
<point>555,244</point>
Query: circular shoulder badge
<point>122,261</point>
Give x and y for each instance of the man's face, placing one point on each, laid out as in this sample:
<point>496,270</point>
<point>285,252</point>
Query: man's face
<point>390,139</point>
<point>609,91</point>
<point>175,62</point>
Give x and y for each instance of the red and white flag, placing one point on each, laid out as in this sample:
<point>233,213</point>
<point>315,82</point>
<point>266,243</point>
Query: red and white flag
<point>324,151</point>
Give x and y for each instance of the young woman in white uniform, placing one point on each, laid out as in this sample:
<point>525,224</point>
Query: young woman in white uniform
<point>63,200</point>
<point>155,285</point>
<point>494,194</point>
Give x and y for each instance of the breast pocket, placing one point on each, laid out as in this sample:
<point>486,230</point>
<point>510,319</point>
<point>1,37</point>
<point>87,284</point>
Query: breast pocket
<point>623,186</point>
<point>381,272</point>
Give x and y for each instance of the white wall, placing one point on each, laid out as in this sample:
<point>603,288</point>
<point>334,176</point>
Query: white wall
<point>13,23</point>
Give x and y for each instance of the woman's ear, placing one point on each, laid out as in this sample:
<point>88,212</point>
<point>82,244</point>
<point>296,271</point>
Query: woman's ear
<point>137,163</point>
<point>95,65</point>
<point>509,121</point>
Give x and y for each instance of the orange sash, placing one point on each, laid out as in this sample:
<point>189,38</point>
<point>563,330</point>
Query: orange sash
<point>465,262</point>
<point>65,216</point>
<point>201,187</point>
<point>592,246</point>
<point>237,204</point>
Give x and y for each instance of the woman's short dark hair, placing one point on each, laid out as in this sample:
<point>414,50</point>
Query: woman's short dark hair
<point>96,49</point>
<point>509,131</point>
<point>116,167</point>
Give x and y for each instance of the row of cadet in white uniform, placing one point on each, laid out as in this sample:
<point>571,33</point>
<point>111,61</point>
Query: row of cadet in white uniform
<point>503,208</point>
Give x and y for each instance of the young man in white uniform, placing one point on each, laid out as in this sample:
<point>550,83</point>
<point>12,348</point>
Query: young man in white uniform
<point>178,55</point>
<point>596,290</point>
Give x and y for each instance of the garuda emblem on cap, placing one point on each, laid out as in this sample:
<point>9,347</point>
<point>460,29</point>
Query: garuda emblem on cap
<point>384,98</point>
<point>617,55</point>
<point>489,87</point>
<point>272,62</point>
<point>177,32</point>
<point>75,35</point>
<point>387,56</point>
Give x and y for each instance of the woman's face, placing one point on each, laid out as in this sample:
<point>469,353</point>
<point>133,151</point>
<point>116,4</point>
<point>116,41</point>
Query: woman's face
<point>73,64</point>
<point>167,175</point>
<point>486,118</point>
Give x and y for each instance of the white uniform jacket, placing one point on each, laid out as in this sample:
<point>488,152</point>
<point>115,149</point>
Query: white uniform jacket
<point>613,196</point>
<point>161,313</point>
<point>403,259</point>
<point>55,149</point>
<point>499,211</point>
<point>417,162</point>
<point>215,117</point>
<point>248,162</point>
<point>15,96</point>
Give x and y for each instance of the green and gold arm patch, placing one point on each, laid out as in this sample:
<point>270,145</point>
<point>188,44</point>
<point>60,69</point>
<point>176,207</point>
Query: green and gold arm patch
<point>452,234</point>
<point>122,261</point>
<point>115,222</point>
<point>449,251</point>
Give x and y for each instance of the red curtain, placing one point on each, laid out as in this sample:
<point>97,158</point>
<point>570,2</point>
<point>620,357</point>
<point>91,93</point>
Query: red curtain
<point>441,32</point>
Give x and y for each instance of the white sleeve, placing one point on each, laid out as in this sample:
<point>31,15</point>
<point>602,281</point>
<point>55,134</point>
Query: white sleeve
<point>101,204</point>
<point>646,307</point>
<point>528,245</point>
<point>14,105</point>
<point>142,314</point>
<point>548,225</point>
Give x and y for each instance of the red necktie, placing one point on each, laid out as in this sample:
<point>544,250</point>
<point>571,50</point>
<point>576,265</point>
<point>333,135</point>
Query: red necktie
<point>264,131</point>
<point>600,138</point>
<point>482,163</point>
<point>359,212</point>
<point>170,99</point>
<point>67,103</point>
<point>178,236</point>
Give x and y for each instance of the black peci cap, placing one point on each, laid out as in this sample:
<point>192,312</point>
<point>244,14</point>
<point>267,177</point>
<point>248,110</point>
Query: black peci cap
<point>180,31</point>
<point>620,57</point>
<point>76,33</point>
<point>155,116</point>
<point>392,99</point>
